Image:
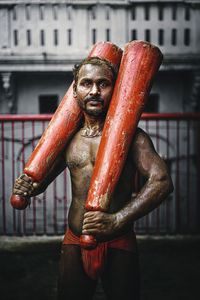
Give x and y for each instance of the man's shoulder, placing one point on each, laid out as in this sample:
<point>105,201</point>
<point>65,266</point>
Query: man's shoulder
<point>139,131</point>
<point>141,139</point>
<point>140,134</point>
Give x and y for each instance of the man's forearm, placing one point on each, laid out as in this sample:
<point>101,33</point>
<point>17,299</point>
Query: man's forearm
<point>56,169</point>
<point>150,196</point>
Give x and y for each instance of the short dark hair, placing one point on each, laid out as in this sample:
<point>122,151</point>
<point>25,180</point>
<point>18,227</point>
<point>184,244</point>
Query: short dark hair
<point>97,61</point>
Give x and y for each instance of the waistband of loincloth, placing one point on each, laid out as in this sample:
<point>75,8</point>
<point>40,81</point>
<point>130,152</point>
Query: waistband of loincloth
<point>124,242</point>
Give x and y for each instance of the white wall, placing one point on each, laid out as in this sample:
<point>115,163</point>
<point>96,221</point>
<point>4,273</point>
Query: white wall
<point>174,89</point>
<point>30,86</point>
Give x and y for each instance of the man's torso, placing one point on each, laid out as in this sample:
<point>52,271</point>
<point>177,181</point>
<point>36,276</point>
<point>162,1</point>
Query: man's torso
<point>80,158</point>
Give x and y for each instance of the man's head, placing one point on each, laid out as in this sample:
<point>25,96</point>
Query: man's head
<point>94,81</point>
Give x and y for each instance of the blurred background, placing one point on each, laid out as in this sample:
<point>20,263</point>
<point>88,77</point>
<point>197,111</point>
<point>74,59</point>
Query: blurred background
<point>40,41</point>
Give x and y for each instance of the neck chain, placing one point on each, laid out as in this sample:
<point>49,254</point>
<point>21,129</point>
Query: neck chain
<point>88,131</point>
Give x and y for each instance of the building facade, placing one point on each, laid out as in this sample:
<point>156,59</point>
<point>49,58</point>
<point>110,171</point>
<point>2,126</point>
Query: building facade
<point>40,41</point>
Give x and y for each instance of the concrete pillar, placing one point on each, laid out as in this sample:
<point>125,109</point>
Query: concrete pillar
<point>8,92</point>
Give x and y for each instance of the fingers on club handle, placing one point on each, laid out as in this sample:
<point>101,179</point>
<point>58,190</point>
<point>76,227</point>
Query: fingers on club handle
<point>88,242</point>
<point>19,202</point>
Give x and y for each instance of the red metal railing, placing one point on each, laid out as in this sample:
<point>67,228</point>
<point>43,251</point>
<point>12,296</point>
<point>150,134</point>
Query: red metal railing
<point>175,137</point>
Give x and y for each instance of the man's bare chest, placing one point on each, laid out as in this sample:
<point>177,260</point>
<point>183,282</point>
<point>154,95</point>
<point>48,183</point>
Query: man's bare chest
<point>82,152</point>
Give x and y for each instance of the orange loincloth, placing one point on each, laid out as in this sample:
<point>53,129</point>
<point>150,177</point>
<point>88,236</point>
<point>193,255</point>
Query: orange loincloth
<point>94,260</point>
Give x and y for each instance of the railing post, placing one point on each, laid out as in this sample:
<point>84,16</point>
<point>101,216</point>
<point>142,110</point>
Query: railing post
<point>197,135</point>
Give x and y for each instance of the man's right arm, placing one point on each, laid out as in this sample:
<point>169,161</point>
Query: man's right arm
<point>24,186</point>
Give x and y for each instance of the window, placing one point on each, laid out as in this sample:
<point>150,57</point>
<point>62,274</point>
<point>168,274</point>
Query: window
<point>28,12</point>
<point>107,13</point>
<point>187,37</point>
<point>93,13</point>
<point>55,12</point>
<point>160,13</point>
<point>41,12</point>
<point>152,105</point>
<point>28,37</point>
<point>174,37</point>
<point>161,37</point>
<point>133,13</point>
<point>174,12</point>
<point>187,13</point>
<point>14,13</point>
<point>69,12</point>
<point>146,12</point>
<point>93,36</point>
<point>55,37</point>
<point>69,37</point>
<point>48,104</point>
<point>42,37</point>
<point>15,37</point>
<point>107,35</point>
<point>133,34</point>
<point>147,35</point>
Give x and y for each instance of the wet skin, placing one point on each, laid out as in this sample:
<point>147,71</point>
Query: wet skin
<point>93,92</point>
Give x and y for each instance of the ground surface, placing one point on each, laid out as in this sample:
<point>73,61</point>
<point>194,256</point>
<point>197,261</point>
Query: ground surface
<point>170,268</point>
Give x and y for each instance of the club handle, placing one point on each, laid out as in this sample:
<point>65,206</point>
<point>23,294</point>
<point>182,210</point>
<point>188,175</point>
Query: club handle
<point>88,241</point>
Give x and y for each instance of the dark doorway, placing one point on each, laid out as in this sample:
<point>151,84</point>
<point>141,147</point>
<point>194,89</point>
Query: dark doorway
<point>48,104</point>
<point>152,105</point>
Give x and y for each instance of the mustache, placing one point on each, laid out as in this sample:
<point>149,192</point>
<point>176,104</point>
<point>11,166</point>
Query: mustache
<point>96,99</point>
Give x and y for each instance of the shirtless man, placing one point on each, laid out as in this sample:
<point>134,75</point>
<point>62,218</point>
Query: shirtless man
<point>93,88</point>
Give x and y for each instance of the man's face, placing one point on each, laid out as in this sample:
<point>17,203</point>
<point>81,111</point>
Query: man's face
<point>94,89</point>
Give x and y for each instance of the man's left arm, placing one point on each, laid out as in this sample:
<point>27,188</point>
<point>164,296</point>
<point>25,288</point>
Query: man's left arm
<point>157,187</point>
